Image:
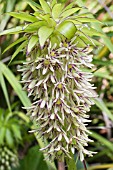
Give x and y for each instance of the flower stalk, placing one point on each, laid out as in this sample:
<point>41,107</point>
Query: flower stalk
<point>61,165</point>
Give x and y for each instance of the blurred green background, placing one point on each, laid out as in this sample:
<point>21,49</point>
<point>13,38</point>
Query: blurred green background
<point>18,147</point>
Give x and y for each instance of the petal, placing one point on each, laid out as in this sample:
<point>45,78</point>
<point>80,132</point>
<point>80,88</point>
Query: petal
<point>60,137</point>
<point>44,70</point>
<point>40,82</point>
<point>42,104</point>
<point>39,66</point>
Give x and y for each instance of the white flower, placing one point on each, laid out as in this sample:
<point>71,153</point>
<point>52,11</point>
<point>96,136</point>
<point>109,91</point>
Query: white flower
<point>62,95</point>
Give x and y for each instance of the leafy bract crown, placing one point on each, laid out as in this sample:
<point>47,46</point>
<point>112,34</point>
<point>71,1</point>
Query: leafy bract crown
<point>53,21</point>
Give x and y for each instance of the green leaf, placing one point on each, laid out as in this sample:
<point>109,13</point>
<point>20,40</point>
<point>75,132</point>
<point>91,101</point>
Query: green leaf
<point>18,50</point>
<point>23,16</point>
<point>3,85</point>
<point>102,167</point>
<point>9,138</point>
<point>33,5</point>
<point>74,21</point>
<point>102,140</point>
<point>85,19</point>
<point>83,41</point>
<point>103,73</point>
<point>15,30</point>
<point>32,42</point>
<point>55,40</point>
<point>14,43</point>
<point>23,116</point>
<point>8,7</point>
<point>87,36</point>
<point>42,144</point>
<point>103,63</point>
<point>16,132</point>
<point>53,3</point>
<point>70,6</point>
<point>91,31</point>
<point>97,26</point>
<point>71,164</point>
<point>85,14</point>
<point>100,104</point>
<point>56,11</point>
<point>44,33</point>
<point>33,160</point>
<point>2,134</point>
<point>69,12</point>
<point>80,42</point>
<point>45,6</point>
<point>68,29</point>
<point>45,17</point>
<point>35,26</point>
<point>15,84</point>
<point>106,39</point>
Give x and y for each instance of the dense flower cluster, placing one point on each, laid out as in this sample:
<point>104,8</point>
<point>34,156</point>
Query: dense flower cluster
<point>62,95</point>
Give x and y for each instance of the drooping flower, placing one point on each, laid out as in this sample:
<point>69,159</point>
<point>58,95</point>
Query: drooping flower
<point>62,96</point>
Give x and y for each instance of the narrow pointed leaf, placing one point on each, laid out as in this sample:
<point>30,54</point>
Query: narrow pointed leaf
<point>45,17</point>
<point>15,84</point>
<point>45,6</point>
<point>8,8</point>
<point>35,26</point>
<point>53,2</point>
<point>56,11</point>
<point>69,12</point>
<point>87,36</point>
<point>70,6</point>
<point>74,21</point>
<point>33,4</point>
<point>32,42</point>
<point>103,140</point>
<point>105,38</point>
<point>86,14</point>
<point>23,116</point>
<point>97,26</point>
<point>3,85</point>
<point>23,16</point>
<point>91,32</point>
<point>14,43</point>
<point>16,132</point>
<point>2,134</point>
<point>15,30</point>
<point>85,19</point>
<point>86,41</point>
<point>44,33</point>
<point>100,104</point>
<point>9,138</point>
<point>18,50</point>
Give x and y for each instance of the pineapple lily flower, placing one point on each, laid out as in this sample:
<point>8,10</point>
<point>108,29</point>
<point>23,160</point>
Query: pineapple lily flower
<point>57,54</point>
<point>62,94</point>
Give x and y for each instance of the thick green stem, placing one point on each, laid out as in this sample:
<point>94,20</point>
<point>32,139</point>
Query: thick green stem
<point>71,163</point>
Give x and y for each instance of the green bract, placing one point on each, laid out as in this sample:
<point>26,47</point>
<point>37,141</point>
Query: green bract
<point>57,46</point>
<point>52,20</point>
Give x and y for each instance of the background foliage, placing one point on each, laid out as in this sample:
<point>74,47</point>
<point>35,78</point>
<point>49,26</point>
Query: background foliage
<point>14,124</point>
